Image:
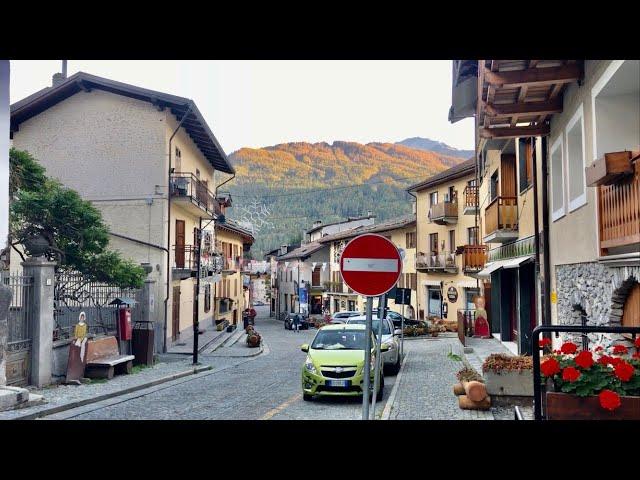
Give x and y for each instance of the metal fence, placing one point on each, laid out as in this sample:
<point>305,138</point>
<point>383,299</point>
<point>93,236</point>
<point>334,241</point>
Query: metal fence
<point>75,293</point>
<point>19,327</point>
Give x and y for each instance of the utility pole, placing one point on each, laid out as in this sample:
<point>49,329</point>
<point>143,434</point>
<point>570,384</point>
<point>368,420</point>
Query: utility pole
<point>5,292</point>
<point>196,317</point>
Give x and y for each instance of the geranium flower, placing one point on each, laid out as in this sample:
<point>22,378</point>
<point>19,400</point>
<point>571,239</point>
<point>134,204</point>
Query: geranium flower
<point>550,367</point>
<point>584,359</point>
<point>620,350</point>
<point>557,352</point>
<point>568,348</point>
<point>570,374</point>
<point>624,371</point>
<point>605,360</point>
<point>615,361</point>
<point>636,356</point>
<point>609,400</point>
<point>598,348</point>
<point>543,342</point>
<point>637,342</point>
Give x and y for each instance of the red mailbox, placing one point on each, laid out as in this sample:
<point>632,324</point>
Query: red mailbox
<point>124,323</point>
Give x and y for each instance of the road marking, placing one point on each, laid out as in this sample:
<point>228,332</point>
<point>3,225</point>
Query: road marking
<point>370,265</point>
<point>387,408</point>
<point>282,406</point>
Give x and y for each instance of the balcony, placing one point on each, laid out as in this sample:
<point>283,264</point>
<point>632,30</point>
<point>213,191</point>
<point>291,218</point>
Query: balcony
<point>231,265</point>
<point>444,213</point>
<point>193,195</point>
<point>619,211</point>
<point>470,206</point>
<point>501,220</point>
<point>474,258</point>
<point>185,261</point>
<point>442,262</point>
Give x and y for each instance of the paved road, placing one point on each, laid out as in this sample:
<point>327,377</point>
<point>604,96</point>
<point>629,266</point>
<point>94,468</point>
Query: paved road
<point>264,387</point>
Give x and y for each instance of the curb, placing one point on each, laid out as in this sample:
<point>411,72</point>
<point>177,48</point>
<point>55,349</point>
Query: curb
<point>106,396</point>
<point>386,413</point>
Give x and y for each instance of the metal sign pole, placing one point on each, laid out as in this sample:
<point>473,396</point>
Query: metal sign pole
<point>382,305</point>
<point>367,362</point>
<point>402,333</point>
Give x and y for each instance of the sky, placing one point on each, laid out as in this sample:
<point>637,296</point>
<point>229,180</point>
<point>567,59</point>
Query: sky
<point>263,103</point>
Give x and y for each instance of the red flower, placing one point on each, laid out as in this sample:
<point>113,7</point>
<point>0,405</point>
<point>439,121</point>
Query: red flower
<point>620,350</point>
<point>550,367</point>
<point>624,371</point>
<point>605,360</point>
<point>637,342</point>
<point>543,342</point>
<point>570,374</point>
<point>584,360</point>
<point>615,360</point>
<point>557,352</point>
<point>599,348</point>
<point>609,400</point>
<point>568,348</point>
<point>636,356</point>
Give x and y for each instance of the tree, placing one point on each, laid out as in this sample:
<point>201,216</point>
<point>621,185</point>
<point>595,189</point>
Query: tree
<point>44,212</point>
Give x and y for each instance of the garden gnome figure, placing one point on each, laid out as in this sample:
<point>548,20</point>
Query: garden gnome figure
<point>481,328</point>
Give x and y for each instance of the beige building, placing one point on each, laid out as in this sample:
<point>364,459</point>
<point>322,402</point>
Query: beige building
<point>448,244</point>
<point>401,231</point>
<point>149,162</point>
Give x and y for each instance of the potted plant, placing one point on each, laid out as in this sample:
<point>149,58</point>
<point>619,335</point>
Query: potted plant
<point>510,375</point>
<point>603,384</point>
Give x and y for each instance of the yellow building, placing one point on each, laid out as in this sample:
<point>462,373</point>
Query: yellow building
<point>448,246</point>
<point>402,232</point>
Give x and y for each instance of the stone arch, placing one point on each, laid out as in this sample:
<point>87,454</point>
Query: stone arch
<point>619,296</point>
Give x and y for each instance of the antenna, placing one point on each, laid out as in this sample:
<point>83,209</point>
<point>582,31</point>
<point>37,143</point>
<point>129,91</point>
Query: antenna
<point>64,69</point>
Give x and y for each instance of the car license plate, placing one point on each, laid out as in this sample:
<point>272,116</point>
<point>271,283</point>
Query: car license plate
<point>337,383</point>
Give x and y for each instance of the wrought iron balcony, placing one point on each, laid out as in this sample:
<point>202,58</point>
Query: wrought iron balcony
<point>185,261</point>
<point>193,195</point>
<point>470,206</point>
<point>501,220</point>
<point>524,246</point>
<point>444,213</point>
<point>474,258</point>
<point>443,262</point>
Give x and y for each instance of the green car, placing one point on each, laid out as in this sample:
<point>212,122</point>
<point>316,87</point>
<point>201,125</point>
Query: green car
<point>335,362</point>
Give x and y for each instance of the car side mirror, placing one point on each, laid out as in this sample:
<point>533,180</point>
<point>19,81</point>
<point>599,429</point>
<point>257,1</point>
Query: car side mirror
<point>305,347</point>
<point>384,347</point>
<point>397,331</point>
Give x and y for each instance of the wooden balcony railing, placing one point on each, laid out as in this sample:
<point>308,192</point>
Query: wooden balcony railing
<point>444,211</point>
<point>474,257</point>
<point>471,196</point>
<point>619,211</point>
<point>501,214</point>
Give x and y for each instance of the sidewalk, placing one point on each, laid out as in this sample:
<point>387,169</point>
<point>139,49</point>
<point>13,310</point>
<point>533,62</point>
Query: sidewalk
<point>184,345</point>
<point>478,349</point>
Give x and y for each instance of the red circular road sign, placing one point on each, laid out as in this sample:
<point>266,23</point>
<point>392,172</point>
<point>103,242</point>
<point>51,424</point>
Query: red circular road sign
<point>370,265</point>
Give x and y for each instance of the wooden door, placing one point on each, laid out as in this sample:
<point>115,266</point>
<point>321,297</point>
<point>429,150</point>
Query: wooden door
<point>508,174</point>
<point>631,311</point>
<point>179,245</point>
<point>315,277</point>
<point>175,316</point>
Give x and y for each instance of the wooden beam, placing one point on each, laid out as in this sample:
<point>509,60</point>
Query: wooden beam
<point>521,109</point>
<point>508,132</point>
<point>534,76</point>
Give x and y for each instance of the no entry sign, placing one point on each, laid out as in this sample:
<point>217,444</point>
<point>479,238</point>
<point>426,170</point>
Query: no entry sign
<point>370,265</point>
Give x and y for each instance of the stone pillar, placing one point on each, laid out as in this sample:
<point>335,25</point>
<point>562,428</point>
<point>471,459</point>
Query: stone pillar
<point>5,301</point>
<point>42,272</point>
<point>147,301</point>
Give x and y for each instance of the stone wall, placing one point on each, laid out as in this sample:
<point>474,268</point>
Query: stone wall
<point>598,289</point>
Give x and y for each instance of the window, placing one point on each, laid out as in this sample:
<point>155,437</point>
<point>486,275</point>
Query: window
<point>178,162</point>
<point>557,179</point>
<point>433,243</point>
<point>575,161</point>
<point>494,185</point>
<point>470,294</point>
<point>452,241</point>
<point>472,236</point>
<point>451,195</point>
<point>411,240</point>
<point>433,198</point>
<point>525,162</point>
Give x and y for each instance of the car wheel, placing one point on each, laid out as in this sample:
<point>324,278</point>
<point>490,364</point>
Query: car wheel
<point>381,389</point>
<point>306,397</point>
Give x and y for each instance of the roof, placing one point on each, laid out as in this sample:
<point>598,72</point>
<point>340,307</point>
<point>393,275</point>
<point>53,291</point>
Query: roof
<point>232,226</point>
<point>272,253</point>
<point>391,224</point>
<point>303,251</point>
<point>195,124</point>
<point>461,170</point>
<point>349,219</point>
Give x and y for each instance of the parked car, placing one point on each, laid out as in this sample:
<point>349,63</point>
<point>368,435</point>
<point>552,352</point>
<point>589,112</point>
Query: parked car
<point>396,318</point>
<point>335,363</point>
<point>259,303</point>
<point>288,321</point>
<point>341,317</point>
<point>390,339</point>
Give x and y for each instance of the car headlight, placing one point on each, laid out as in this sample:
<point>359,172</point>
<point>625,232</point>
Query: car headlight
<point>309,366</point>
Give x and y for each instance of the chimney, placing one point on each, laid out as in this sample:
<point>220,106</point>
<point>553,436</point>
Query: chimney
<point>283,249</point>
<point>317,223</point>
<point>57,79</point>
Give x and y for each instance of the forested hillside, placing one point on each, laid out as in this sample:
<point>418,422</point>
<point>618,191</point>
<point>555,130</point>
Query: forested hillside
<point>283,189</point>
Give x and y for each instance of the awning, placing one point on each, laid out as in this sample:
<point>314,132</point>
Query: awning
<point>467,284</point>
<point>516,262</point>
<point>491,267</point>
<point>430,283</point>
<point>488,268</point>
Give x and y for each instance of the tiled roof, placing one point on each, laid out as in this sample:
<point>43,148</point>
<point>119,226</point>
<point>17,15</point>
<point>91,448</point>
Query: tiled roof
<point>349,219</point>
<point>462,169</point>
<point>387,225</point>
<point>234,227</point>
<point>303,251</point>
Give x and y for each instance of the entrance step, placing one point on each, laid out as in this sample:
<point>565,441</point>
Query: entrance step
<point>17,397</point>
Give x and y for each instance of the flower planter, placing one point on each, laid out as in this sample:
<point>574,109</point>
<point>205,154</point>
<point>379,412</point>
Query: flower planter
<point>510,383</point>
<point>563,406</point>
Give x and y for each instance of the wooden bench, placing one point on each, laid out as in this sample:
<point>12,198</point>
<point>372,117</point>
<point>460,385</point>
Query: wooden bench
<point>103,358</point>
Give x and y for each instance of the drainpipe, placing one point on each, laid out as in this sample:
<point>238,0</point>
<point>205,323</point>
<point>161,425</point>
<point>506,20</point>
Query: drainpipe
<point>536,223</point>
<point>546,319</point>
<point>416,313</point>
<point>166,299</point>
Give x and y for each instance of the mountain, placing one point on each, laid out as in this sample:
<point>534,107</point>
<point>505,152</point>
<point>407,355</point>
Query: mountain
<point>282,189</point>
<point>435,146</point>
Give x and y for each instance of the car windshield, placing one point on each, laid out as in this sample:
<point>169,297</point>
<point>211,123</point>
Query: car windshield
<point>339,340</point>
<point>375,325</point>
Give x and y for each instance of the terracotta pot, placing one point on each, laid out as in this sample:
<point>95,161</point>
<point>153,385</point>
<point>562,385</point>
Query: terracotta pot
<point>562,406</point>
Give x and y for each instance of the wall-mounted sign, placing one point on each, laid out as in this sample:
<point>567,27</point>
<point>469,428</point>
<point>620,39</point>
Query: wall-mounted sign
<point>554,297</point>
<point>452,294</point>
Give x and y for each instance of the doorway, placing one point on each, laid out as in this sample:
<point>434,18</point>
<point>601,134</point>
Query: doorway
<point>434,302</point>
<point>179,245</point>
<point>175,314</point>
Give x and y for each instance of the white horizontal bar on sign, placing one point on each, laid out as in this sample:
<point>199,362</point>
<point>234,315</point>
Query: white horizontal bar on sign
<point>370,265</point>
